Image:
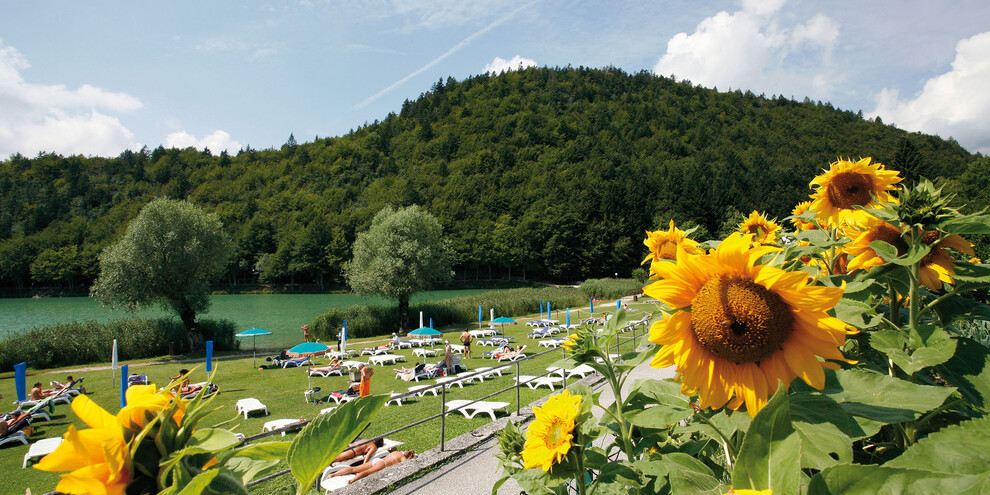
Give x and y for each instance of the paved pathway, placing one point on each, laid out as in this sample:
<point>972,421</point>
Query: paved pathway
<point>477,471</point>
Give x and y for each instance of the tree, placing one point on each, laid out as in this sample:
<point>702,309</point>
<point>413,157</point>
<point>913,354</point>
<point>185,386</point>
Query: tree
<point>168,255</point>
<point>403,252</point>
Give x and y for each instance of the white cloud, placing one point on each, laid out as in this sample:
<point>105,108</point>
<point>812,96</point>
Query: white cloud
<point>749,49</point>
<point>500,65</point>
<point>53,118</point>
<point>216,141</point>
<point>953,104</point>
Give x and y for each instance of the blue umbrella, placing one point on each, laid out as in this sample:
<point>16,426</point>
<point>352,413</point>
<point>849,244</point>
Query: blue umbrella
<point>425,332</point>
<point>479,316</point>
<point>592,305</point>
<point>618,304</point>
<point>254,333</point>
<point>568,317</point>
<point>307,349</point>
<point>503,320</point>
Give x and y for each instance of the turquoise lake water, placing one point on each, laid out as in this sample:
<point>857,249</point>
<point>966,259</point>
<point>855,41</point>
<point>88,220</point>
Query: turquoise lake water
<point>282,314</point>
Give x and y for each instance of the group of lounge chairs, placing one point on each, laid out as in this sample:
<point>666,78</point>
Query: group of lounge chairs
<point>17,422</point>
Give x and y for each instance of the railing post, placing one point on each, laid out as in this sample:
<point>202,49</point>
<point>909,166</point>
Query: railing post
<point>443,415</point>
<point>517,389</point>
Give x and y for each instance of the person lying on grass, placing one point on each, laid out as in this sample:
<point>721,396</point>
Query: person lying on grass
<point>362,470</point>
<point>359,447</point>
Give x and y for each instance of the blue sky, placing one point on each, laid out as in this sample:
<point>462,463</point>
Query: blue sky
<point>98,77</point>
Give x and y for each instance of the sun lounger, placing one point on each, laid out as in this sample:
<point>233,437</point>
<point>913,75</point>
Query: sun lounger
<point>471,408</point>
<point>326,371</point>
<point>375,351</point>
<point>53,399</point>
<point>398,399</point>
<point>327,409</point>
<point>552,343</point>
<point>383,359</point>
<point>296,362</point>
<point>250,405</point>
<point>450,381</point>
<point>424,352</point>
<point>330,484</point>
<point>353,365</point>
<point>511,356</point>
<point>416,373</point>
<point>578,371</point>
<point>487,371</point>
<point>277,424</point>
<point>341,398</point>
<point>201,387</point>
<point>422,390</point>
<point>41,448</point>
<point>536,381</point>
<point>17,436</point>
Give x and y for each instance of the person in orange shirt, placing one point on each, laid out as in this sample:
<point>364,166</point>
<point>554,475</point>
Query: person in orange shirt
<point>365,387</point>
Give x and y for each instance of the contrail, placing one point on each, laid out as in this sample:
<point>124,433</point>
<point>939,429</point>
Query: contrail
<point>446,54</point>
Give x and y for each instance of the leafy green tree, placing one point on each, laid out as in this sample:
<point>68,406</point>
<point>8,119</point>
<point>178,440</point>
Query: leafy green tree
<point>168,255</point>
<point>57,265</point>
<point>403,252</point>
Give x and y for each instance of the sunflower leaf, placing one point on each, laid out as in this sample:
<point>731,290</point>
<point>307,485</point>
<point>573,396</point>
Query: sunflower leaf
<point>771,451</point>
<point>855,479</point>
<point>968,224</point>
<point>823,445</point>
<point>969,369</point>
<point>916,349</point>
<point>960,308</point>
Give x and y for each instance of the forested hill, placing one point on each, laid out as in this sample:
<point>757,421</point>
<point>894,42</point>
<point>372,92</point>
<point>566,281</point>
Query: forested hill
<point>553,172</point>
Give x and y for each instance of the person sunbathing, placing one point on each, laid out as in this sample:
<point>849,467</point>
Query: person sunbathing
<point>408,374</point>
<point>184,387</point>
<point>362,470</point>
<point>38,394</point>
<point>359,447</point>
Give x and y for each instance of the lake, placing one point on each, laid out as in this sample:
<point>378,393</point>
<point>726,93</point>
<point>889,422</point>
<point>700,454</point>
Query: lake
<point>282,314</point>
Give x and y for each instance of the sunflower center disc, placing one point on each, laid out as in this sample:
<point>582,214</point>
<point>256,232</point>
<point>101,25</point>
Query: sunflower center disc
<point>848,189</point>
<point>739,320</point>
<point>889,235</point>
<point>929,238</point>
<point>555,435</point>
<point>667,251</point>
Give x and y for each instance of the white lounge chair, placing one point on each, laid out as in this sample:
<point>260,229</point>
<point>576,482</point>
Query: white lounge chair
<point>276,424</point>
<point>383,359</point>
<point>330,484</point>
<point>536,381</point>
<point>326,371</point>
<point>41,448</point>
<point>422,390</point>
<point>342,398</point>
<point>249,405</point>
<point>470,409</point>
<point>17,436</point>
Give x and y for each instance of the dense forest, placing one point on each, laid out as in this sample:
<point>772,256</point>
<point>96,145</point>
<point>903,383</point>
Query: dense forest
<point>551,174</point>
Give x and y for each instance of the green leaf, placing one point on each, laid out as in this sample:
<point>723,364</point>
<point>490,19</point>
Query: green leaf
<point>969,369</point>
<point>879,397</point>
<point>623,473</point>
<point>889,253</point>
<point>960,308</point>
<point>771,452</point>
<point>212,439</point>
<point>690,476</point>
<point>853,479</point>
<point>958,449</point>
<point>821,409</point>
<point>859,314</point>
<point>969,224</point>
<point>246,469</point>
<point>319,443</point>
<point>915,350</point>
<point>198,484</point>
<point>262,451</point>
<point>968,272</point>
<point>823,445</point>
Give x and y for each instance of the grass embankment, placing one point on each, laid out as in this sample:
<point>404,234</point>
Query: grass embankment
<point>282,391</point>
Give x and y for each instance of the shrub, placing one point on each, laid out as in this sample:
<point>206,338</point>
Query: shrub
<point>611,288</point>
<point>367,321</point>
<point>86,342</point>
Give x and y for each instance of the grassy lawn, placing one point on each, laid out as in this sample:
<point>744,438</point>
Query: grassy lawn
<point>282,391</point>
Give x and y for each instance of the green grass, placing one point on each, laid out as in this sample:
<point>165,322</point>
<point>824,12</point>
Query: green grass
<point>282,391</point>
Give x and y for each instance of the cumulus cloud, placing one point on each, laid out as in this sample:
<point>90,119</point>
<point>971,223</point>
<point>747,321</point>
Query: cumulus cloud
<point>749,49</point>
<point>500,65</point>
<point>53,118</point>
<point>216,141</point>
<point>953,104</point>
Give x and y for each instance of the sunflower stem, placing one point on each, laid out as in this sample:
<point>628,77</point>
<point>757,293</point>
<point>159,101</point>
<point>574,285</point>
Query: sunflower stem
<point>895,306</point>
<point>619,417</point>
<point>730,449</point>
<point>914,303</point>
<point>579,477</point>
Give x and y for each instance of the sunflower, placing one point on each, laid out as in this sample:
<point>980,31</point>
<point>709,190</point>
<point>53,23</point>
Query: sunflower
<point>847,185</point>
<point>937,267</point>
<point>763,231</point>
<point>98,458</point>
<point>549,435</point>
<point>742,326</point>
<point>663,245</point>
<point>144,402</point>
<point>743,491</point>
<point>799,223</point>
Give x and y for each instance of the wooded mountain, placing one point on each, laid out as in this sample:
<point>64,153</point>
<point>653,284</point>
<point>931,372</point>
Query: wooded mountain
<point>551,173</point>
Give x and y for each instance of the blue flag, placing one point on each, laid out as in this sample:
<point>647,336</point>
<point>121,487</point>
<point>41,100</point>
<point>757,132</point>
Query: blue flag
<point>592,304</point>
<point>209,356</point>
<point>479,314</point>
<point>618,304</point>
<point>568,317</point>
<point>20,380</point>
<point>123,386</point>
<point>548,310</point>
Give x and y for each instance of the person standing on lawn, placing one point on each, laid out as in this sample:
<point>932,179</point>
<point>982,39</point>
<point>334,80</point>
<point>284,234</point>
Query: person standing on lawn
<point>466,340</point>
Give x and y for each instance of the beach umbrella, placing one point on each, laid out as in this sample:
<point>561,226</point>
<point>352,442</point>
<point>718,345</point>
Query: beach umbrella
<point>343,338</point>
<point>541,309</point>
<point>479,316</point>
<point>618,304</point>
<point>503,320</point>
<point>307,349</point>
<point>209,356</point>
<point>254,333</point>
<point>568,317</point>
<point>592,306</point>
<point>420,319</point>
<point>431,322</point>
<point>20,380</point>
<point>548,310</point>
<point>428,332</point>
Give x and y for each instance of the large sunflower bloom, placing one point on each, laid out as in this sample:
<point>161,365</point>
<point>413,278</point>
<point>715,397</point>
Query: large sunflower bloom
<point>548,438</point>
<point>663,245</point>
<point>98,458</point>
<point>847,185</point>
<point>937,267</point>
<point>144,402</point>
<point>743,326</point>
<point>763,231</point>
<point>801,224</point>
